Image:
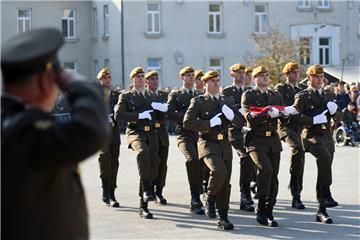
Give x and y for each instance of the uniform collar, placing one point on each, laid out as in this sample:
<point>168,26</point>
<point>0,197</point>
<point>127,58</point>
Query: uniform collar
<point>142,91</point>
<point>320,90</point>
<point>188,89</point>
<point>217,96</point>
<point>239,87</point>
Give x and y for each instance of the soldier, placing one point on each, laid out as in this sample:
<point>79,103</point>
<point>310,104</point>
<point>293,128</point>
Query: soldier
<point>263,143</point>
<point>179,101</point>
<point>248,78</point>
<point>199,84</point>
<point>137,108</point>
<point>204,115</point>
<point>152,82</point>
<point>317,107</point>
<point>247,167</point>
<point>109,155</point>
<point>290,132</point>
<point>42,195</point>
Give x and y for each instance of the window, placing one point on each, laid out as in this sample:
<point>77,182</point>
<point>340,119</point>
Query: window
<point>23,20</point>
<point>305,51</point>
<point>260,18</point>
<point>106,63</point>
<point>324,4</point>
<point>94,22</point>
<point>68,23</point>
<point>154,64</point>
<point>216,65</point>
<point>106,20</point>
<point>153,18</point>
<point>324,51</point>
<point>304,4</point>
<point>215,25</point>
<point>71,66</point>
<point>95,68</point>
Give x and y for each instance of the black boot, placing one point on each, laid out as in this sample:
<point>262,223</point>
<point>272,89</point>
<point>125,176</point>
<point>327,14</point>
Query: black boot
<point>160,197</point>
<point>246,203</point>
<point>253,186</point>
<point>295,192</point>
<point>224,223</point>
<point>322,216</point>
<point>105,191</point>
<point>328,199</point>
<point>144,211</point>
<point>210,206</point>
<point>196,205</point>
<point>147,197</point>
<point>271,221</point>
<point>113,202</point>
<point>204,188</point>
<point>261,213</point>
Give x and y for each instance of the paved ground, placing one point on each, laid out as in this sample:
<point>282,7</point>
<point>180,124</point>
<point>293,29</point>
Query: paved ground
<point>174,221</point>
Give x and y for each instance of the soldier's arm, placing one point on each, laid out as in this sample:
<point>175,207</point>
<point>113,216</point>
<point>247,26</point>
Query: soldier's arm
<point>301,118</point>
<point>254,119</point>
<point>122,111</point>
<point>239,120</point>
<point>339,115</point>
<point>173,114</point>
<point>191,120</point>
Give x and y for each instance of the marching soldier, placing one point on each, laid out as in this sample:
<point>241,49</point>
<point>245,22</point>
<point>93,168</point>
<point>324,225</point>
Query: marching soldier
<point>247,167</point>
<point>137,108</point>
<point>204,116</point>
<point>109,155</point>
<point>316,108</point>
<point>179,101</point>
<point>263,143</point>
<point>199,84</point>
<point>152,82</point>
<point>290,132</point>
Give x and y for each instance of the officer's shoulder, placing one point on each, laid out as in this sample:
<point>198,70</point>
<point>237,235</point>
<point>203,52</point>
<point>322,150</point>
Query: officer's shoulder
<point>303,92</point>
<point>279,86</point>
<point>228,88</point>
<point>163,92</point>
<point>199,98</point>
<point>250,92</point>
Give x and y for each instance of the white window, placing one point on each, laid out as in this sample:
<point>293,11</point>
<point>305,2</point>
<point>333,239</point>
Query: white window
<point>106,20</point>
<point>324,51</point>
<point>68,23</point>
<point>95,68</point>
<point>23,20</point>
<point>305,51</point>
<point>304,4</point>
<point>260,18</point>
<point>215,64</point>
<point>71,66</point>
<point>215,24</point>
<point>94,16</point>
<point>153,18</point>
<point>324,4</point>
<point>106,63</point>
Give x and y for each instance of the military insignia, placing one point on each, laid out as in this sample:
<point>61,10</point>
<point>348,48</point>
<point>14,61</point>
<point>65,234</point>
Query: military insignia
<point>323,126</point>
<point>146,128</point>
<point>43,124</point>
<point>267,133</point>
<point>220,137</point>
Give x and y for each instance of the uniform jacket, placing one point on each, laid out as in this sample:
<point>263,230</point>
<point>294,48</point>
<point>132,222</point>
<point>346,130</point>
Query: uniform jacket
<point>260,124</point>
<point>162,96</point>
<point>115,133</point>
<point>197,119</point>
<point>42,195</point>
<point>309,104</point>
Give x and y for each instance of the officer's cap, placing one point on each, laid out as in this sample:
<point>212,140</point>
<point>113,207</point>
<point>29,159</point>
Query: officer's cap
<point>151,73</point>
<point>248,70</point>
<point>135,71</point>
<point>103,72</point>
<point>209,74</point>
<point>236,67</point>
<point>315,69</point>
<point>290,66</point>
<point>31,52</point>
<point>186,70</point>
<point>198,74</point>
<point>258,70</point>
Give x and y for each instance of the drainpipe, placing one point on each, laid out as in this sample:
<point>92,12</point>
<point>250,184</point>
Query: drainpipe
<point>122,45</point>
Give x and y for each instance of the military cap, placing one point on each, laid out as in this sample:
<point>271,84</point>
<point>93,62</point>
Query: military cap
<point>236,67</point>
<point>185,70</point>
<point>315,69</point>
<point>290,66</point>
<point>103,72</point>
<point>198,74</point>
<point>248,70</point>
<point>209,74</point>
<point>258,70</point>
<point>135,71</point>
<point>31,52</point>
<point>151,73</point>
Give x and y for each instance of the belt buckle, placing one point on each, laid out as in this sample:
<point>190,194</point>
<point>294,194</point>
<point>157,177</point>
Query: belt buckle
<point>220,137</point>
<point>146,128</point>
<point>323,126</point>
<point>157,125</point>
<point>267,133</point>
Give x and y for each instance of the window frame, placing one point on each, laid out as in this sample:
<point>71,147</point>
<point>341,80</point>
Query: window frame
<point>302,4</point>
<point>23,19</point>
<point>324,48</point>
<point>74,70</point>
<point>262,27</point>
<point>219,69</point>
<point>321,4</point>
<point>106,32</point>
<point>67,20</point>
<point>305,60</point>
<point>214,21</point>
<point>95,22</point>
<point>158,69</point>
<point>153,14</point>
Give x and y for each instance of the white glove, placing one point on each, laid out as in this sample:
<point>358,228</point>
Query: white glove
<point>274,112</point>
<point>145,114</point>
<point>332,107</point>
<point>241,111</point>
<point>162,107</point>
<point>320,118</point>
<point>228,112</point>
<point>216,120</point>
<point>290,110</point>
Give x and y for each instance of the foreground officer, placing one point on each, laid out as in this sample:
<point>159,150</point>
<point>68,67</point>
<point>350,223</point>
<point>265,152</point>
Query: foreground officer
<point>317,107</point>
<point>263,143</point>
<point>152,82</point>
<point>179,101</point>
<point>204,115</point>
<point>137,108</point>
<point>290,131</point>
<point>42,195</point>
<point>247,167</point>
<point>109,155</point>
